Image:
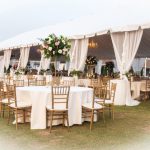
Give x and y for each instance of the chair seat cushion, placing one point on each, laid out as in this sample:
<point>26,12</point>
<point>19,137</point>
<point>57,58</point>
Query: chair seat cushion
<point>20,105</point>
<point>57,107</point>
<point>108,101</point>
<point>5,101</point>
<point>89,105</point>
<point>145,90</point>
<point>98,100</point>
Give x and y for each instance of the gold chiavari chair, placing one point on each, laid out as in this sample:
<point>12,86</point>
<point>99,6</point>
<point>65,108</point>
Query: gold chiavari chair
<point>18,83</point>
<point>68,83</point>
<point>7,80</point>
<point>109,103</point>
<point>55,81</point>
<point>18,107</point>
<point>89,109</point>
<point>145,92</point>
<point>3,100</point>
<point>58,108</point>
<point>106,82</point>
<point>41,82</point>
<point>94,82</point>
<point>32,82</point>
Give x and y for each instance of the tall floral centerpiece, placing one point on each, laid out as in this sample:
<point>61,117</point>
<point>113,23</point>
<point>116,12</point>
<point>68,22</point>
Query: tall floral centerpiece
<point>91,62</point>
<point>56,46</point>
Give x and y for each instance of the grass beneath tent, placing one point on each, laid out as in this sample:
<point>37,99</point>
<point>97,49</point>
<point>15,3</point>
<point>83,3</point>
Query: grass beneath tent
<point>130,130</point>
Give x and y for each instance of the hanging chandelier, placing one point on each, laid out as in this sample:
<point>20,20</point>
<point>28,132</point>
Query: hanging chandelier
<point>92,44</point>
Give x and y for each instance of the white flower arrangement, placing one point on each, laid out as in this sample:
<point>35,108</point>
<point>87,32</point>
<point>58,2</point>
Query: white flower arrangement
<point>54,46</point>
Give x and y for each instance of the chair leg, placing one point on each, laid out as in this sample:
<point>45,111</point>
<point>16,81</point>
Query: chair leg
<point>3,113</point>
<point>24,116</point>
<point>110,114</point>
<point>0,108</point>
<point>51,121</point>
<point>112,110</point>
<point>63,119</point>
<point>16,119</point>
<point>67,121</point>
<point>8,115</point>
<point>103,111</point>
<point>92,117</point>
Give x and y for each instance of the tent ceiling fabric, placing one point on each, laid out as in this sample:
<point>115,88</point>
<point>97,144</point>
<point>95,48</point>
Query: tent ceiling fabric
<point>105,47</point>
<point>88,26</point>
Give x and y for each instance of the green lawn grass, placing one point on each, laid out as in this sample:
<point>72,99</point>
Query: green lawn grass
<point>129,131</point>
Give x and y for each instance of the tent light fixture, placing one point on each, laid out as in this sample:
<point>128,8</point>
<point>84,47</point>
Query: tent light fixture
<point>92,44</point>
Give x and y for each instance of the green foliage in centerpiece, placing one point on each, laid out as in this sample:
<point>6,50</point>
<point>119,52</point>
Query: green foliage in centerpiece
<point>75,73</point>
<point>54,46</point>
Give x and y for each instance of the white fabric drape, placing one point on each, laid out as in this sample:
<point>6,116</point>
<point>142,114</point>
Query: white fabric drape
<point>1,66</point>
<point>7,56</point>
<point>44,63</point>
<point>24,56</point>
<point>98,67</point>
<point>125,46</point>
<point>78,54</point>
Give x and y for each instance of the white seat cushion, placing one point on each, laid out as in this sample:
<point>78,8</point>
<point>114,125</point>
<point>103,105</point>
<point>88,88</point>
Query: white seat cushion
<point>57,106</point>
<point>20,105</point>
<point>89,105</point>
<point>108,101</point>
<point>99,100</point>
<point>145,90</point>
<point>5,101</point>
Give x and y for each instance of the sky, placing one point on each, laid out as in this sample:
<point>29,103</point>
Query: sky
<point>18,16</point>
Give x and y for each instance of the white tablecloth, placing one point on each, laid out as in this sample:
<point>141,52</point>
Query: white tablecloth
<point>123,94</point>
<point>40,96</point>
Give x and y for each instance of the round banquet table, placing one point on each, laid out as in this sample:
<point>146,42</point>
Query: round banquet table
<point>123,94</point>
<point>39,96</point>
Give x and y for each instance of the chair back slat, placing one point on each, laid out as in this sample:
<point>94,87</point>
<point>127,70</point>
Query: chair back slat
<point>60,94</point>
<point>113,91</point>
<point>18,83</point>
<point>11,94</point>
<point>2,92</point>
<point>41,82</point>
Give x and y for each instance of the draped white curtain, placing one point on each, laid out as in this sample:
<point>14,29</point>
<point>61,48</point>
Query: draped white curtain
<point>24,56</point>
<point>2,66</point>
<point>125,46</point>
<point>44,63</point>
<point>78,54</point>
<point>7,56</point>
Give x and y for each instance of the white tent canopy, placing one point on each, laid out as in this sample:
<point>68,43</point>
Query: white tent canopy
<point>88,26</point>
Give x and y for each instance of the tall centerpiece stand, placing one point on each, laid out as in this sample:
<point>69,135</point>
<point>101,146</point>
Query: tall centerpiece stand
<point>55,47</point>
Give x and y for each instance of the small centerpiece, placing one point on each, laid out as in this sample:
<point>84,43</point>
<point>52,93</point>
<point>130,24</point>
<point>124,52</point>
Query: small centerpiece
<point>91,60</point>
